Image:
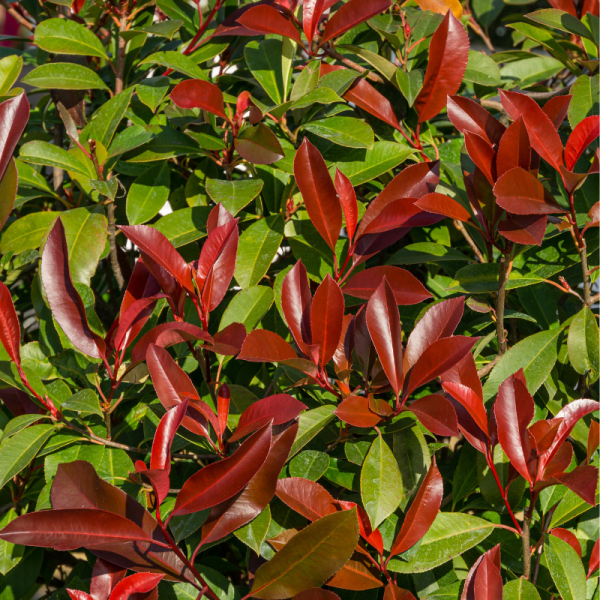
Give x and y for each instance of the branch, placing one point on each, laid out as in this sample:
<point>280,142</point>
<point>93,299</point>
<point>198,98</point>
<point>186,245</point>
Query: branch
<point>121,44</point>
<point>470,240</point>
<point>17,16</point>
<point>546,95</point>
<point>485,370</point>
<point>502,280</point>
<point>350,63</point>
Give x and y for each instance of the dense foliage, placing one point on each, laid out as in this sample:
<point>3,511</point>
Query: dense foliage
<point>296,300</point>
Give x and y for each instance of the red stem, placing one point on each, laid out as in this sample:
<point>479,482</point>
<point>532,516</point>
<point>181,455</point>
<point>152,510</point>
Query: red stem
<point>490,462</point>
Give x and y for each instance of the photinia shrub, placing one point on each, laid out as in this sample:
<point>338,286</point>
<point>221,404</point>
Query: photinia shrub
<point>297,300</point>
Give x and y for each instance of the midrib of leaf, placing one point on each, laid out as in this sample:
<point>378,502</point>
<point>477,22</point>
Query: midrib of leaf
<point>450,535</point>
<point>74,244</point>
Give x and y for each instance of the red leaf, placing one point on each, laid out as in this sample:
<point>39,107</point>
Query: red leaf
<point>267,20</point>
<point>64,300</point>
<point>318,192</point>
<point>326,318</point>
<point>223,400</point>
<point>351,14</point>
<point>593,439</point>
<point>280,409</point>
<point>259,145</point>
<point>229,341</point>
<point>422,511</point>
<point>560,461</point>
<point>395,215</point>
<point>163,438</point>
<point>135,584</point>
<point>357,574</point>
<point>594,559</point>
<point>406,287</point>
<point>132,321</point>
<point>306,497</point>
<point>220,481</point>
<point>347,196</point>
<point>467,115</point>
<point>78,595</point>
<point>141,284</point>
<point>582,480</point>
<point>265,346</point>
<point>383,322</point>
<point>524,229</point>
<point>465,372</point>
<point>519,192</point>
<point>218,217</point>
<point>514,408</point>
<point>393,592</point>
<point>105,576</point>
<point>316,593</point>
<point>168,284</point>
<point>311,14</point>
<point>296,303</point>
<point>438,322</point>
<point>488,563</point>
<point>543,137</point>
<point>556,108</point>
<point>10,330</point>
<point>436,413</point>
<point>567,536</point>
<point>355,411</point>
<point>582,136</point>
<point>593,217</point>
<point>364,525</point>
<point>482,154</point>
<point>14,114</point>
<point>443,205</point>
<point>449,54</point>
<point>515,149</point>
<point>195,93</point>
<point>472,403</point>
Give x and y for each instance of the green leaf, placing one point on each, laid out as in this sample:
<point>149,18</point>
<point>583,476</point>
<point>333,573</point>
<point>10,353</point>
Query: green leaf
<point>115,466</point>
<point>254,534</point>
<point>183,526</point>
<point>486,11</point>
<point>344,131</point>
<point>130,138</point>
<point>483,277</point>
<point>64,36</point>
<point>148,194</point>
<point>585,99</point>
<point>178,62</point>
<point>380,483</point>
<point>92,453</point>
<point>233,195</point>
<point>410,84</point>
<point>415,254</point>
<point>583,342</point>
<point>85,401</point>
<point>10,69</point>
<point>64,76</point>
<point>43,153</point>
<point>520,589</point>
<point>343,474</point>
<point>106,119</point>
<point>18,423</point>
<point>19,450</point>
<point>523,73</point>
<point>166,29</point>
<point>265,61</point>
<point>481,69</point>
<point>449,536</point>
<point>310,464</point>
<point>27,232</point>
<point>568,508</point>
<point>106,188</point>
<point>412,457</point>
<point>248,307</point>
<point>306,82</point>
<point>257,249</point>
<point>384,66</point>
<point>10,554</point>
<point>565,568</point>
<point>310,423</point>
<point>465,475</point>
<point>318,96</point>
<point>339,81</point>
<point>152,90</point>
<point>167,143</point>
<point>561,20</point>
<point>184,226</point>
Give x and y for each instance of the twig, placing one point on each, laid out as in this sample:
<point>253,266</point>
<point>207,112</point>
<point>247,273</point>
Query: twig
<point>546,95</point>
<point>492,104</point>
<point>18,17</point>
<point>121,44</point>
<point>477,29</point>
<point>469,240</point>
<point>350,63</point>
<point>500,300</point>
<point>485,370</point>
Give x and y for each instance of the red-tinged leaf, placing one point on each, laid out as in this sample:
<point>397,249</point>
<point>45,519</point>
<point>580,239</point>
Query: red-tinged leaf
<point>195,93</point>
<point>514,408</point>
<point>218,217</point>
<point>436,413</point>
<point>567,536</point>
<point>342,359</point>
<point>395,215</point>
<point>543,137</point>
<point>258,145</point>
<point>422,511</point>
<point>132,321</point>
<point>482,154</point>
<point>318,192</point>
<point>356,412</point>
<point>449,54</point>
<point>364,525</point>
<point>10,330</point>
<point>438,322</point>
<point>241,509</point>
<point>220,481</point>
<point>347,196</point>
<point>135,584</point>
<point>265,346</point>
<point>589,6</point>
<point>443,205</point>
<point>358,574</point>
<point>544,433</point>
<point>593,217</point>
<point>326,318</point>
<point>157,478</point>
<point>582,480</point>
<point>311,14</point>
<point>229,341</point>
<point>14,114</point>
<point>594,559</point>
<point>556,108</point>
<point>280,409</point>
<point>515,149</point>
<point>465,372</point>
<point>492,559</point>
<point>520,192</point>
<point>78,595</point>
<point>64,300</point>
<point>527,230</point>
<point>560,461</point>
<point>393,592</point>
<point>296,303</point>
<point>468,115</point>
<point>223,400</point>
<point>267,20</point>
<point>351,14</point>
<point>72,529</point>
<point>141,284</point>
<point>168,284</point>
<point>469,428</point>
<point>153,243</point>
<point>472,403</point>
<point>163,438</point>
<point>593,439</point>
<point>306,497</point>
<point>316,593</point>
<point>582,136</point>
<point>105,576</point>
<point>383,322</point>
<point>488,581</point>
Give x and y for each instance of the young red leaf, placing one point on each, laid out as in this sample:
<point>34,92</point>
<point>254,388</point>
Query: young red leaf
<point>267,20</point>
<point>195,93</point>
<point>347,196</point>
<point>78,595</point>
<point>465,372</point>
<point>14,114</point>
<point>471,402</point>
<point>449,54</point>
<point>583,481</point>
<point>357,574</point>
<point>567,536</point>
<point>594,559</point>
<point>316,187</point>
<point>132,321</point>
<point>366,531</point>
<point>356,412</point>
<point>218,217</point>
<point>524,229</point>
<point>593,439</point>
<point>467,115</point>
<point>393,216</point>
<point>135,584</point>
<point>342,359</point>
<point>229,341</point>
<point>515,149</point>
<point>393,592</point>
<point>443,205</point>
<point>221,480</point>
<point>311,14</point>
<point>265,346</point>
<point>593,217</point>
<point>406,287</point>
<point>105,575</point>
<point>280,409</point>
<point>10,330</point>
<point>482,154</point>
<point>326,318</point>
<point>141,284</point>
<point>488,581</point>
<point>383,322</point>
<point>296,303</point>
<point>160,457</point>
<point>519,192</point>
<point>436,413</point>
<point>556,109</point>
<point>65,303</point>
<point>582,136</point>
<point>306,497</point>
<point>351,14</point>
<point>223,400</point>
<point>422,511</point>
<point>560,461</point>
<point>490,562</point>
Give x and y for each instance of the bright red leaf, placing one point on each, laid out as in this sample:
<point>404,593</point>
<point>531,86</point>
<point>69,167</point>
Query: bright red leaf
<point>195,93</point>
<point>443,205</point>
<point>10,330</point>
<point>351,14</point>
<point>306,497</point>
<point>585,132</point>
<point>436,413</point>
<point>326,318</point>
<point>267,20</point>
<point>356,412</point>
<point>347,196</point>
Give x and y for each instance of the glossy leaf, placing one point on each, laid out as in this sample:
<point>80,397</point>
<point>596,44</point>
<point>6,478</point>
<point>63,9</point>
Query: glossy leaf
<point>265,346</point>
<point>583,135</point>
<point>296,304</point>
<point>306,497</point>
<point>436,414</point>
<point>443,205</point>
<point>515,149</point>
<point>195,93</point>
<point>355,411</point>
<point>10,330</point>
<point>14,114</point>
<point>565,568</point>
<point>468,115</point>
<point>139,583</point>
<point>351,14</point>
<point>267,20</point>
<point>326,318</point>
<point>105,576</point>
<point>347,197</point>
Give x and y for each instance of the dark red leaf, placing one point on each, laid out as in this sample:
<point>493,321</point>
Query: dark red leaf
<point>10,330</point>
<point>168,284</point>
<point>221,480</point>
<point>515,149</point>
<point>132,321</point>
<point>347,196</point>
<point>311,13</point>
<point>482,154</point>
<point>342,359</point>
<point>472,403</point>
<point>383,322</point>
<point>318,191</point>
<point>393,592</point>
<point>524,229</point>
<point>135,584</point>
<point>326,318</point>
<point>265,346</point>
<point>567,536</point>
<point>259,145</point>
<point>593,439</point>
<point>560,461</point>
<point>351,14</point>
<point>267,20</point>
<point>449,54</point>
<point>582,136</point>
<point>556,108</point>
<point>582,480</point>
<point>483,585</point>
<point>594,559</point>
<point>280,409</point>
<point>14,114</point>
<point>195,93</point>
<point>436,413</point>
<point>105,576</point>
<point>306,497</point>
<point>422,511</point>
<point>223,400</point>
<point>64,300</point>
<point>229,341</point>
<point>356,412</point>
<point>468,115</point>
<point>163,438</point>
<point>520,192</point>
<point>443,205</point>
<point>593,217</point>
<point>296,304</point>
<point>393,216</point>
